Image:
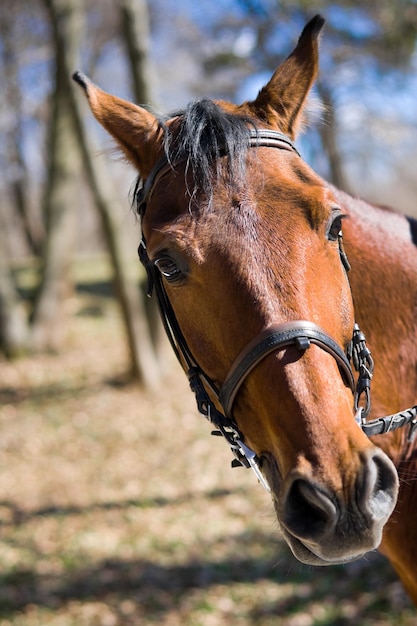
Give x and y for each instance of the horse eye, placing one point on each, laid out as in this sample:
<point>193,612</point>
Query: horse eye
<point>168,268</point>
<point>335,227</point>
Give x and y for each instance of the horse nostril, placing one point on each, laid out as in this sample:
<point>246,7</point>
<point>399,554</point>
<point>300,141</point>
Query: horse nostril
<point>309,512</point>
<point>379,486</point>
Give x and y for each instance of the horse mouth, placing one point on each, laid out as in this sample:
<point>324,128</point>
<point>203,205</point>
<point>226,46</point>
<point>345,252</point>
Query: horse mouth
<point>336,544</point>
<point>308,556</point>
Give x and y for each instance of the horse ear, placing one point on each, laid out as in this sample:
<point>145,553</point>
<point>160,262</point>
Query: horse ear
<point>281,101</point>
<point>136,130</point>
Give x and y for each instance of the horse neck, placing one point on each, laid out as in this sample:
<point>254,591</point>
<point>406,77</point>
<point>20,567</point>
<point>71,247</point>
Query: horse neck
<point>379,244</point>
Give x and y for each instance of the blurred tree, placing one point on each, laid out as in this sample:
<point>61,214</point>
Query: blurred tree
<point>69,152</point>
<point>62,174</point>
<point>135,33</point>
<point>13,326</point>
<point>143,360</point>
<point>18,180</point>
<point>14,184</point>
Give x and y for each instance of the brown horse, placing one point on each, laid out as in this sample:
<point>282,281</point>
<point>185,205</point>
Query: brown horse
<point>242,241</point>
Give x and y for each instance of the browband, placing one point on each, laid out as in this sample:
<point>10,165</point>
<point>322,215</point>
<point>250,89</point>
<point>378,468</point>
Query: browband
<point>258,138</point>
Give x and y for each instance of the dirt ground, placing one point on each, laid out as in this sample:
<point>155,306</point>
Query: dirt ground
<point>117,508</point>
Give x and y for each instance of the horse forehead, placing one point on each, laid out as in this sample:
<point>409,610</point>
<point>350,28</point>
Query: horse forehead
<point>238,220</point>
<point>276,195</point>
<point>201,229</point>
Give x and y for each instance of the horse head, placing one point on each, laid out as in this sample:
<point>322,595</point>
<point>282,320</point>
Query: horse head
<point>245,238</point>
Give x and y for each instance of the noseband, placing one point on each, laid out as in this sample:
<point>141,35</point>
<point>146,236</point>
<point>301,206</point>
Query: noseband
<point>299,334</point>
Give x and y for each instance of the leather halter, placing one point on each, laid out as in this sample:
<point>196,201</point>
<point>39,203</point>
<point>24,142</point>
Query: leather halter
<point>298,333</point>
<point>276,337</point>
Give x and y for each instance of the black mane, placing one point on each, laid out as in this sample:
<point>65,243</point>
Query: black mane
<point>204,134</point>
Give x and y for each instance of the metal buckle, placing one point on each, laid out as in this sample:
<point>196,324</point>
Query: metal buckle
<point>412,430</point>
<point>252,459</point>
<point>359,419</point>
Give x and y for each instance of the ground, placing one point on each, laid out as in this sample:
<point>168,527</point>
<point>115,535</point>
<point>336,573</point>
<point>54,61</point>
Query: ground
<point>117,508</point>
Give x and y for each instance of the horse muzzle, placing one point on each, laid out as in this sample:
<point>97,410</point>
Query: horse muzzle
<point>326,527</point>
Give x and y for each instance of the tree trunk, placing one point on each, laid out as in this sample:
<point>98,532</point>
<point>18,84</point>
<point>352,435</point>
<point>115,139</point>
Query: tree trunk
<point>328,134</point>
<point>143,359</point>
<point>9,51</point>
<point>135,35</point>
<point>13,322</point>
<point>63,171</point>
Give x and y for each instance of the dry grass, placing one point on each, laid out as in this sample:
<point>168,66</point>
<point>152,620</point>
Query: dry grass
<point>117,508</point>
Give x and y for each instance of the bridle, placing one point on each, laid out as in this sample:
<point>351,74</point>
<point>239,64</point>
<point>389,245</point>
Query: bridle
<point>300,334</point>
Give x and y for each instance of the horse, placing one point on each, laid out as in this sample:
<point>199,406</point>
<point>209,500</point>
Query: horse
<point>268,300</point>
